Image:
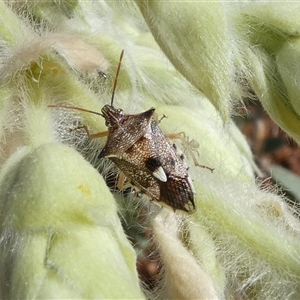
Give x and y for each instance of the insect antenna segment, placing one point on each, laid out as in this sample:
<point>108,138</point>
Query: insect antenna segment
<point>75,107</point>
<point>116,78</point>
<point>112,97</point>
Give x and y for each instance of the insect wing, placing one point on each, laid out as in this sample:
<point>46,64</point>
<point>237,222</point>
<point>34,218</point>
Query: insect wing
<point>177,191</point>
<point>139,178</point>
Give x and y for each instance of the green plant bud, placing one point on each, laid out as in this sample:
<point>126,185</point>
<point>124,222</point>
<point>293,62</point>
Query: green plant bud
<point>247,223</point>
<point>60,233</point>
<point>185,278</point>
<point>270,89</point>
<point>289,73</point>
<point>193,36</point>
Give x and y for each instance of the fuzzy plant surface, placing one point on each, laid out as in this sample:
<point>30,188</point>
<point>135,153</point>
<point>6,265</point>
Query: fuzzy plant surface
<point>193,61</point>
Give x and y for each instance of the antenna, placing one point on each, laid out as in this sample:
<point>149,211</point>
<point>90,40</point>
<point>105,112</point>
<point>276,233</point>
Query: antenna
<point>116,78</point>
<point>112,97</point>
<point>77,108</point>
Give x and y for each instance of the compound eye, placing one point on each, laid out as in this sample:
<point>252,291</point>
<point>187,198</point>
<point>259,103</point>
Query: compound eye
<point>107,124</point>
<point>120,111</point>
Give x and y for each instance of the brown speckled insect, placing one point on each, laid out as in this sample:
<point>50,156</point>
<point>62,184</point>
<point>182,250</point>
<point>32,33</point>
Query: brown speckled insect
<point>147,158</point>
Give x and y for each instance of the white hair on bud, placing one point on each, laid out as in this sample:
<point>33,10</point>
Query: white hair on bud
<point>79,54</point>
<point>184,278</point>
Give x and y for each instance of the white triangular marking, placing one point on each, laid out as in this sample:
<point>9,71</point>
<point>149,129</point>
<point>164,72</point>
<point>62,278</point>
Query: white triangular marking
<point>160,174</point>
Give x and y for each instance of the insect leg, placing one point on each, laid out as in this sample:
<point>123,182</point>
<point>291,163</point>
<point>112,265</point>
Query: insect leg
<point>121,182</point>
<point>156,119</point>
<point>90,135</point>
<point>189,146</point>
<point>163,116</point>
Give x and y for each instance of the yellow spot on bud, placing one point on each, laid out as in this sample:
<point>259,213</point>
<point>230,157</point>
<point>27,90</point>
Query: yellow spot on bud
<point>84,189</point>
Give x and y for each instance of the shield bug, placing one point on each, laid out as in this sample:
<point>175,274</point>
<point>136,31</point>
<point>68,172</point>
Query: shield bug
<point>147,158</point>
